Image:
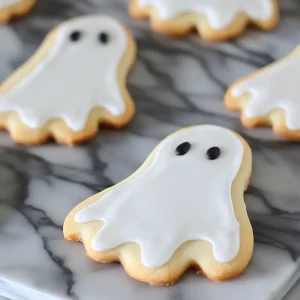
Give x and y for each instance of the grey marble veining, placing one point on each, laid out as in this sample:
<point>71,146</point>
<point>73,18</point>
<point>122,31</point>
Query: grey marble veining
<point>175,83</point>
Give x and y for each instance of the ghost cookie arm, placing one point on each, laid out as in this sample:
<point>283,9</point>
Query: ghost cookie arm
<point>85,232</point>
<point>72,229</point>
<point>234,103</point>
<point>239,98</point>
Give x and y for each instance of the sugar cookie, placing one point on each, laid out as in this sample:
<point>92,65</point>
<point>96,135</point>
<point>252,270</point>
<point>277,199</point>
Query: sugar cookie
<point>14,8</point>
<point>75,81</point>
<point>270,97</point>
<point>214,19</point>
<point>182,208</point>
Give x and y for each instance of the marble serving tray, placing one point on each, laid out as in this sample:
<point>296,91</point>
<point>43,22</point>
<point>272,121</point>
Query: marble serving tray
<point>175,83</point>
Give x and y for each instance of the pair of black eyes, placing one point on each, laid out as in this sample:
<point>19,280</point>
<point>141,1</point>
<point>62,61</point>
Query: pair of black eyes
<point>211,154</point>
<point>103,37</point>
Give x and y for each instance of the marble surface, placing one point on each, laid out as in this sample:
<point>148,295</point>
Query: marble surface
<point>175,83</point>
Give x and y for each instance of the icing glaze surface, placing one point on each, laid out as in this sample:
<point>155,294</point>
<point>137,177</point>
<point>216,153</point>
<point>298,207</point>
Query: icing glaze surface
<point>178,198</point>
<point>274,88</point>
<point>220,13</point>
<point>76,76</point>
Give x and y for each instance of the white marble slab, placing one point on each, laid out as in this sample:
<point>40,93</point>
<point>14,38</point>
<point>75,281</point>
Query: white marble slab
<point>294,292</point>
<point>175,83</point>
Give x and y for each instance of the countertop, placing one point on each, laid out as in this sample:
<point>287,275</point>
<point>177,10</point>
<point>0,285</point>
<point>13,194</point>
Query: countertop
<point>175,83</point>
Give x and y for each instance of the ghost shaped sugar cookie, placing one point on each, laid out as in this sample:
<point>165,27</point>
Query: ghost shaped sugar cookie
<point>182,208</point>
<point>14,8</point>
<point>75,82</point>
<point>270,97</point>
<point>213,19</point>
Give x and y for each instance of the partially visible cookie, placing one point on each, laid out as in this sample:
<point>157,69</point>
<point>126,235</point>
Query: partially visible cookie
<point>214,19</point>
<point>184,207</point>
<point>270,97</point>
<point>14,8</point>
<point>75,82</point>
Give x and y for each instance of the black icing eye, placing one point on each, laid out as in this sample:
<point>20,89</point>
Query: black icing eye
<point>183,148</point>
<point>75,36</point>
<point>213,153</point>
<point>103,37</point>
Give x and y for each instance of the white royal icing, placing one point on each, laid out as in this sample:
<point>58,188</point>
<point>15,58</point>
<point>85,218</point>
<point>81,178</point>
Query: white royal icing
<point>176,199</point>
<point>275,88</point>
<point>74,78</point>
<point>7,3</point>
<point>220,13</point>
